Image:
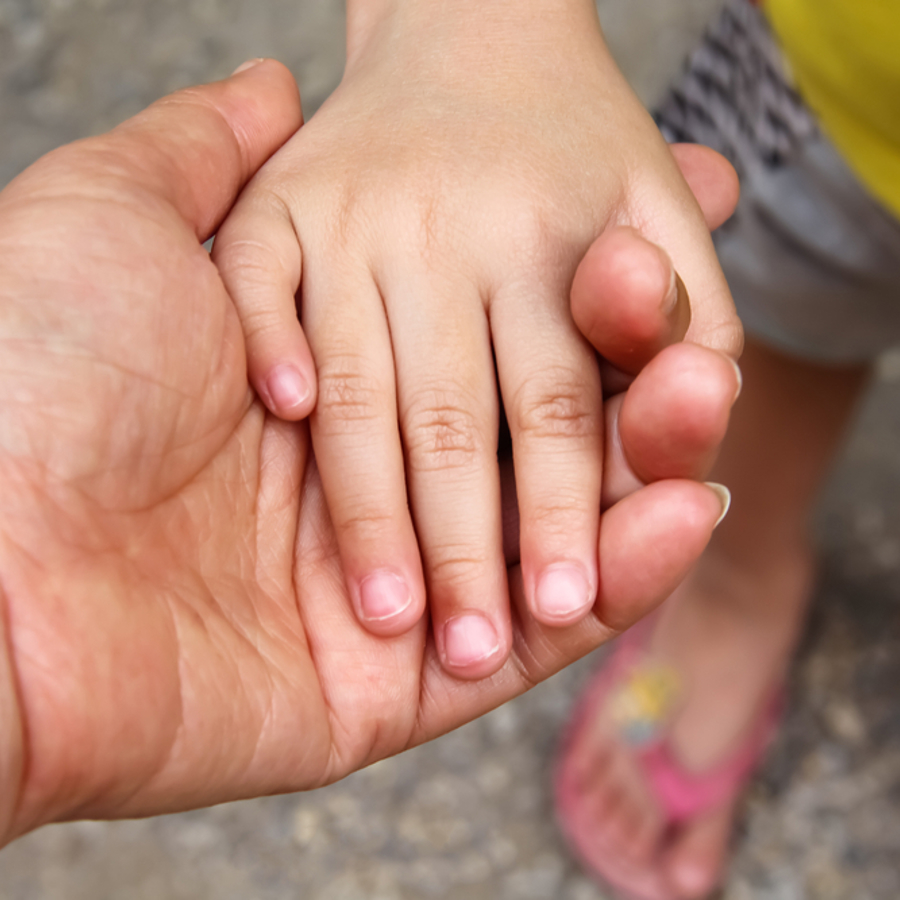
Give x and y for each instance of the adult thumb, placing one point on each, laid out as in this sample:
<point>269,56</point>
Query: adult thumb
<point>197,148</point>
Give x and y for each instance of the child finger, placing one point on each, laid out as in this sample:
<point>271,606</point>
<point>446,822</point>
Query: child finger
<point>358,450</point>
<point>448,413</point>
<point>259,258</point>
<point>551,391</point>
<point>648,543</point>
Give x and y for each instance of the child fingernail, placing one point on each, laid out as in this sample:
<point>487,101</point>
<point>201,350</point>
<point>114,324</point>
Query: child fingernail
<point>287,388</point>
<point>383,595</point>
<point>562,592</point>
<point>724,496</point>
<point>469,639</point>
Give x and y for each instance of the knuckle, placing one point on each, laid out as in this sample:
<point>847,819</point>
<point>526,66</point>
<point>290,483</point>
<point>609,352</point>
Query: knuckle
<point>560,518</point>
<point>365,522</point>
<point>261,322</point>
<point>564,410</point>
<point>454,566</point>
<point>441,433</point>
<point>347,220</point>
<point>531,229</point>
<point>726,336</point>
<point>247,258</point>
<point>533,233</point>
<point>347,397</point>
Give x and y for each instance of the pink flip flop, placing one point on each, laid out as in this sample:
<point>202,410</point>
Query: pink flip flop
<point>643,695</point>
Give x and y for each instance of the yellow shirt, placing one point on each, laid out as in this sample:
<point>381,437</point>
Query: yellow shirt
<point>845,57</point>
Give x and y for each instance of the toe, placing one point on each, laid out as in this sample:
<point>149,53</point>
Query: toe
<point>694,861</point>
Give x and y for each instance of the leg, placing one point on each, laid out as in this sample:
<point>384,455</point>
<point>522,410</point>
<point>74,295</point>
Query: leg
<point>730,629</point>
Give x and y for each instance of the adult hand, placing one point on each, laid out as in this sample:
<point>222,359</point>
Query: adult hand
<point>176,629</point>
<point>667,402</point>
<point>432,215</point>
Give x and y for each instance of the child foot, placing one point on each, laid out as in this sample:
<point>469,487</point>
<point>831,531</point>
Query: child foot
<point>668,734</point>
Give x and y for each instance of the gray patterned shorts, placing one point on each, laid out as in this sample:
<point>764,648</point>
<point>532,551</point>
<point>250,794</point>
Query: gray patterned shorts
<point>812,259</point>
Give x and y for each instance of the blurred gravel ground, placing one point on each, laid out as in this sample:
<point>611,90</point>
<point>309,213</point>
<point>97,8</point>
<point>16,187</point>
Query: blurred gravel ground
<point>469,817</point>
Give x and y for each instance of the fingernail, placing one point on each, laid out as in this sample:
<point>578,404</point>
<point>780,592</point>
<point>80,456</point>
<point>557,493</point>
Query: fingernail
<point>724,496</point>
<point>740,379</point>
<point>287,388</point>
<point>670,300</point>
<point>247,65</point>
<point>383,595</point>
<point>469,639</point>
<point>563,591</point>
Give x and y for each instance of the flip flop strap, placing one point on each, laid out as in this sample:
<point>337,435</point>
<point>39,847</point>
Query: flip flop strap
<point>684,794</point>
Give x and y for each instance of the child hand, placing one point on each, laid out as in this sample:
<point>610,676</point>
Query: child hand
<point>434,211</point>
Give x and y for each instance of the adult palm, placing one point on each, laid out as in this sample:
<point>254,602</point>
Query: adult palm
<point>176,626</point>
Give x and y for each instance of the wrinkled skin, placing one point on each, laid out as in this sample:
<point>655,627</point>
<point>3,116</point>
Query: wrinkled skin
<point>175,618</point>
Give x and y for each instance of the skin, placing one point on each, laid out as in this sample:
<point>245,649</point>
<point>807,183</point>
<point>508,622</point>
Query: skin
<point>730,629</point>
<point>430,219</point>
<point>176,627</point>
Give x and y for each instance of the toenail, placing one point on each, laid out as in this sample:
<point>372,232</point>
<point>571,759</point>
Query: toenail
<point>469,639</point>
<point>691,878</point>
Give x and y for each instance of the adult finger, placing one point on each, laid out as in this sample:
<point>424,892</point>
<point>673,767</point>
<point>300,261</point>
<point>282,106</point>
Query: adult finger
<point>686,394</point>
<point>198,147</point>
<point>671,420</point>
<point>636,575</point>
<point>648,542</point>
<point>627,298</point>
